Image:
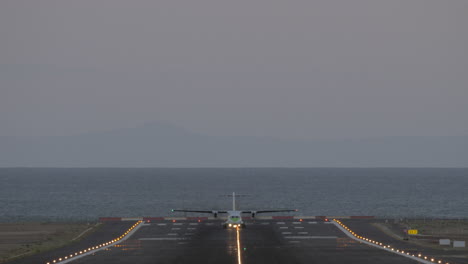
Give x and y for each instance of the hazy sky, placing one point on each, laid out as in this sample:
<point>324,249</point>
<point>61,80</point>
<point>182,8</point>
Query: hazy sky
<point>310,69</point>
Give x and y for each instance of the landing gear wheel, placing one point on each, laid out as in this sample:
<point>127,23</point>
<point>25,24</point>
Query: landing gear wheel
<point>224,226</point>
<point>243,226</point>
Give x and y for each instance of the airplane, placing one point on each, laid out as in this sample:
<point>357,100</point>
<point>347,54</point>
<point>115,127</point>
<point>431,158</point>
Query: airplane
<point>234,217</point>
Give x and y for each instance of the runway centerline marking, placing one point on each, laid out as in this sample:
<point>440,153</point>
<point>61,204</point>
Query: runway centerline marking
<point>280,223</point>
<point>239,259</point>
<point>162,224</point>
<point>298,227</point>
<point>284,227</point>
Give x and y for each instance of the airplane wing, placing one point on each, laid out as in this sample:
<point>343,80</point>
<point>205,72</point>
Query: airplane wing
<point>270,211</point>
<point>214,212</point>
<point>253,213</point>
<point>198,211</point>
<point>273,211</point>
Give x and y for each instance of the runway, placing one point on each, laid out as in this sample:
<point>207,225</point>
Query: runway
<point>263,241</point>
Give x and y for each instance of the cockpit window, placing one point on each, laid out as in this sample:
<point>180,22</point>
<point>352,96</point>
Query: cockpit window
<point>235,216</point>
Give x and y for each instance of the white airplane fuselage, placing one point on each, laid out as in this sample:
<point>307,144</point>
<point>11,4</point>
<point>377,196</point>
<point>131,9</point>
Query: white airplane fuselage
<point>234,219</point>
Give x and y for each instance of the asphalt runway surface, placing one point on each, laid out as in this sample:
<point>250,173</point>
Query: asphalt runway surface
<point>263,241</point>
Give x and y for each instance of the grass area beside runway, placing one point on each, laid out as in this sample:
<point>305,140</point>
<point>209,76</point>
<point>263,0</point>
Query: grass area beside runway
<point>429,231</point>
<point>23,239</point>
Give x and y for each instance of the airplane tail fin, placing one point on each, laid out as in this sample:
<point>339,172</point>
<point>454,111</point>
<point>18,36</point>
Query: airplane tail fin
<point>233,201</point>
<point>234,195</point>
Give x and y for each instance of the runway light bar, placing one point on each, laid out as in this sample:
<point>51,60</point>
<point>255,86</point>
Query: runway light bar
<point>99,246</point>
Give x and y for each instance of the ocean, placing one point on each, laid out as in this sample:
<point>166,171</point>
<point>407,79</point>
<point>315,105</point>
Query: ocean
<point>84,194</point>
